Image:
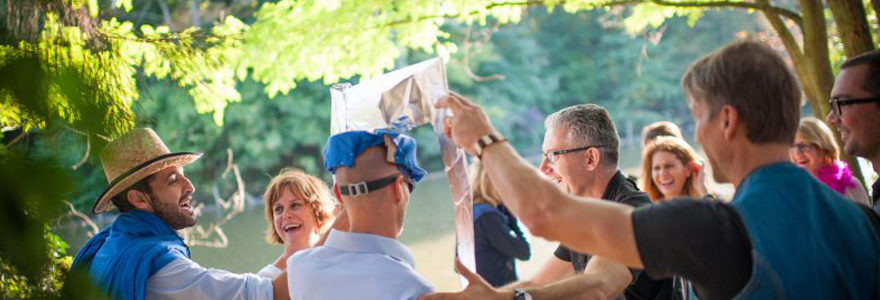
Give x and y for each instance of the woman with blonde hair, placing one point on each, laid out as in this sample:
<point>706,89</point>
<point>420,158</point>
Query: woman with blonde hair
<point>299,210</point>
<point>671,168</point>
<point>497,237</point>
<point>815,150</point>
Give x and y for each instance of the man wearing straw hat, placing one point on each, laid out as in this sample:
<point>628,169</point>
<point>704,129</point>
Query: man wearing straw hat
<point>375,173</point>
<point>140,256</point>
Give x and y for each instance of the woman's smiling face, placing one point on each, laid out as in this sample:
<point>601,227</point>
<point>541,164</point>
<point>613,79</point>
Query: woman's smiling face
<point>294,220</point>
<point>669,174</point>
<point>806,155</point>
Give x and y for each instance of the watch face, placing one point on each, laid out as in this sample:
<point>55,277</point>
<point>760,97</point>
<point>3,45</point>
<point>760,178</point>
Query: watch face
<point>522,295</point>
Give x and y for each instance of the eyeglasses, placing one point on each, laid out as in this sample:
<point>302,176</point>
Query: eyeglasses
<point>837,103</point>
<point>553,156</point>
<point>801,148</point>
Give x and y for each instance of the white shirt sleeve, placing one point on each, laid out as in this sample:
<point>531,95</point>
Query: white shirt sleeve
<point>857,194</point>
<point>185,279</point>
<point>269,271</point>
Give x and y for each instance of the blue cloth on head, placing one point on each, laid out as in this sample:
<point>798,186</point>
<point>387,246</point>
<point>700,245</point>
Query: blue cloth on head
<point>343,148</point>
<point>123,256</point>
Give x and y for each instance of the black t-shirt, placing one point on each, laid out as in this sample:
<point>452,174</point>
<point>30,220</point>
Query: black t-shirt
<point>623,190</point>
<point>718,263</point>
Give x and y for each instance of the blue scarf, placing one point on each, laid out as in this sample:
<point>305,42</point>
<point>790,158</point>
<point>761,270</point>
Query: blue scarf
<point>123,256</point>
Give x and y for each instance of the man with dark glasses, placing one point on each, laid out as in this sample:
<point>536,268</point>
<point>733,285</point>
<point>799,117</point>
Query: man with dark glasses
<point>855,111</point>
<point>374,173</point>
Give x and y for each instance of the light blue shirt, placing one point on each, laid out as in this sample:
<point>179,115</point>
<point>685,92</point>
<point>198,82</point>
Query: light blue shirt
<point>184,279</point>
<point>355,266</point>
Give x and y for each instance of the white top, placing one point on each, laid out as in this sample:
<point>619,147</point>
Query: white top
<point>185,279</point>
<point>269,271</point>
<point>857,193</point>
<point>355,266</point>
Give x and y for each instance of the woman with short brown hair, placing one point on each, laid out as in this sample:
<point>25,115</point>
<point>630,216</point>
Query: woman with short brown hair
<point>299,210</point>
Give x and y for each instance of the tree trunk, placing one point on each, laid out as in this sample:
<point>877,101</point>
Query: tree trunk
<point>816,55</point>
<point>852,25</point>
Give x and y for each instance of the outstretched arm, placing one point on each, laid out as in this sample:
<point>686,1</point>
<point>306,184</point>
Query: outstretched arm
<point>585,225</point>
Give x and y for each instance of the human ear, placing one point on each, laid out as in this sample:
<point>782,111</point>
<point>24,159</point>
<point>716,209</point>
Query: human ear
<point>731,120</point>
<point>593,158</point>
<point>139,200</point>
<point>398,189</point>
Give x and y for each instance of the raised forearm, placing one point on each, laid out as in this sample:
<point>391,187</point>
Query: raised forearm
<point>585,225</point>
<point>527,193</point>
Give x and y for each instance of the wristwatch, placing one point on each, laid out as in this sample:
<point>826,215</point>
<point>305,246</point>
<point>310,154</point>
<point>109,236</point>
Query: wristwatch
<point>486,141</point>
<point>519,294</point>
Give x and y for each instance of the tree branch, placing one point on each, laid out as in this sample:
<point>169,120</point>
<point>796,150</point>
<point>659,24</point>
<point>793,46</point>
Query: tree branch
<point>85,157</point>
<point>762,6</point>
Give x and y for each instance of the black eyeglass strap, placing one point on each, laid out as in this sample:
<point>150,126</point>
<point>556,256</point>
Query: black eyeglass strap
<point>365,187</point>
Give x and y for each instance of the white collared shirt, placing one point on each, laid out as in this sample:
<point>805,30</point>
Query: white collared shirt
<point>185,279</point>
<point>355,266</point>
<point>269,271</point>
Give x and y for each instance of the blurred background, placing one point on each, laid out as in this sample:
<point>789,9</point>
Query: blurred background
<point>247,83</point>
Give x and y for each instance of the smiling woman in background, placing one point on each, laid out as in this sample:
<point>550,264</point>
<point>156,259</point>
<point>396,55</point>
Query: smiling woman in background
<point>670,168</point>
<point>300,210</point>
<point>815,150</point>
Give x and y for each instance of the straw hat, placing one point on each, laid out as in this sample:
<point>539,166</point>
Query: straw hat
<point>132,157</point>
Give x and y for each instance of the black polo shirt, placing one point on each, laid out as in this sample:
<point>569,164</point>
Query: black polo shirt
<point>623,190</point>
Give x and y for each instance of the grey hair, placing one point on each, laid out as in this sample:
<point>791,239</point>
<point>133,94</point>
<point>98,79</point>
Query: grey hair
<point>588,124</point>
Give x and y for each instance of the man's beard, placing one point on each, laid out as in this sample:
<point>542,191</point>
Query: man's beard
<point>171,213</point>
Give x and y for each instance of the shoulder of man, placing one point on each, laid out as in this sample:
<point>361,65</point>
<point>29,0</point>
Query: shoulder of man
<point>627,192</point>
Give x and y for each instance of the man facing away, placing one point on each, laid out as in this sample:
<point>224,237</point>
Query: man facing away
<point>785,235</point>
<point>581,149</point>
<point>140,256</point>
<point>374,177</point>
<point>855,111</point>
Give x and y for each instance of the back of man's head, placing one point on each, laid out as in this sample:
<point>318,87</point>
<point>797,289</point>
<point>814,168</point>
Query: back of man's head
<point>368,166</point>
<point>871,81</point>
<point>660,129</point>
<point>588,124</point>
<point>753,79</point>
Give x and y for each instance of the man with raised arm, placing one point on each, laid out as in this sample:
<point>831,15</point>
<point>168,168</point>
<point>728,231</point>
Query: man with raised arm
<point>785,235</point>
<point>581,149</point>
<point>375,173</point>
<point>140,256</point>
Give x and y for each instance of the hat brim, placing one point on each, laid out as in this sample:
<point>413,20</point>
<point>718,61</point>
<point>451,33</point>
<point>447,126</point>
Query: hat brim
<point>124,181</point>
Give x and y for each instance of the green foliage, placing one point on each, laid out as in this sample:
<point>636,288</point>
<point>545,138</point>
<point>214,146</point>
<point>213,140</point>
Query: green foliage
<point>17,286</point>
<point>33,262</point>
<point>548,60</point>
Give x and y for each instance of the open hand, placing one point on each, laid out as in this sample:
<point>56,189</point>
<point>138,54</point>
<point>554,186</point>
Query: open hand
<point>477,288</point>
